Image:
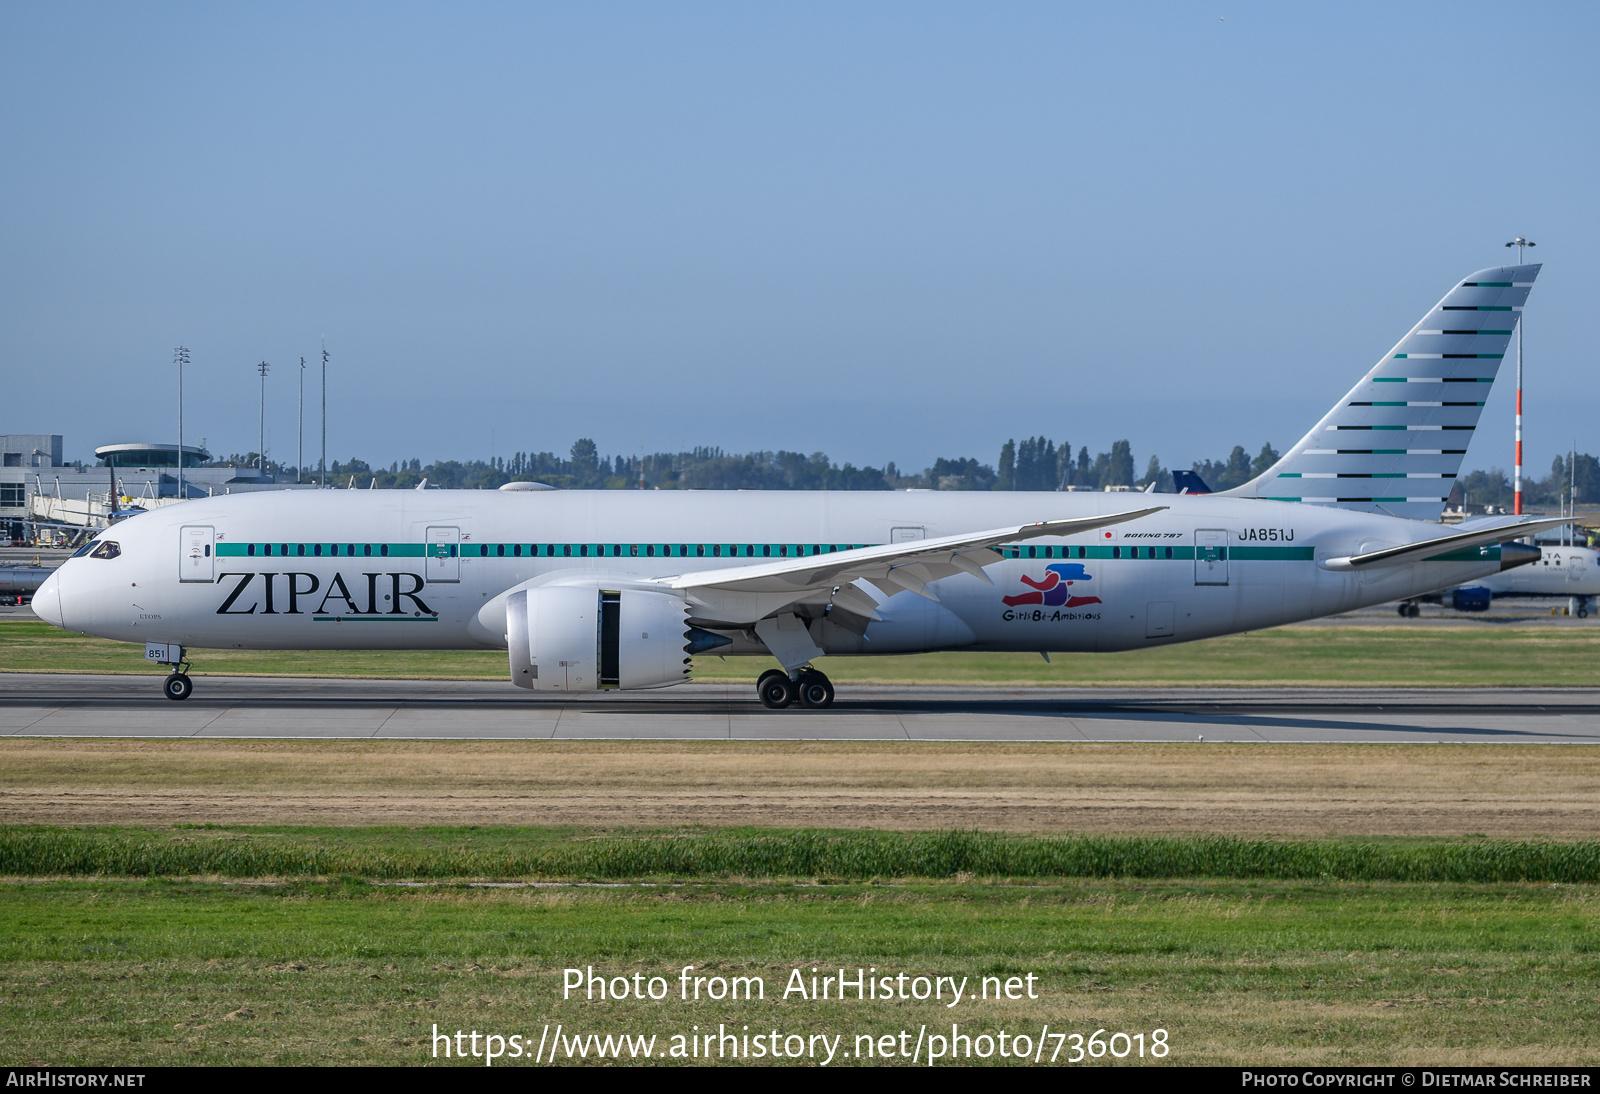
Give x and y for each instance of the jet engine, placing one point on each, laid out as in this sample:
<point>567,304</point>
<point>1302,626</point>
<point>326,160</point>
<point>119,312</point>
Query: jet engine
<point>585,638</point>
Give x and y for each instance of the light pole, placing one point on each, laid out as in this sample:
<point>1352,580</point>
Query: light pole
<point>300,443</point>
<point>322,465</point>
<point>261,445</point>
<point>180,357</point>
<point>1520,244</point>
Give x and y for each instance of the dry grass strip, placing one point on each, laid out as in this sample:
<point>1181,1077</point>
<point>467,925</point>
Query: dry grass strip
<point>1249,790</point>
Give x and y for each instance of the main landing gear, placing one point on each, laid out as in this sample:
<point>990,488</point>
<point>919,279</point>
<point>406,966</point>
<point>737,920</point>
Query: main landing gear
<point>810,689</point>
<point>1409,609</point>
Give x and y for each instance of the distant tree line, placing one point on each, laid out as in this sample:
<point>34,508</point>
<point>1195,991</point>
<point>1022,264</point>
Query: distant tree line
<point>1481,489</point>
<point>1033,463</point>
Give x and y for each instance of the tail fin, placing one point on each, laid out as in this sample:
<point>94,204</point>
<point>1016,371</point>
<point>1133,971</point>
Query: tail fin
<point>1394,444</point>
<point>1187,482</point>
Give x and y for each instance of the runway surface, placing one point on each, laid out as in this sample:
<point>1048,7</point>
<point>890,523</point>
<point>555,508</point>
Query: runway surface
<point>44,705</point>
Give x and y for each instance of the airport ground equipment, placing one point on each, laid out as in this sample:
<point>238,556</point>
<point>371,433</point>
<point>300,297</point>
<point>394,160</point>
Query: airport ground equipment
<point>1554,572</point>
<point>599,590</point>
<point>22,582</point>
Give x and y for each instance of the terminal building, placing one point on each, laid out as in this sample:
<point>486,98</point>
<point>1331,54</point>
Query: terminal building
<point>42,496</point>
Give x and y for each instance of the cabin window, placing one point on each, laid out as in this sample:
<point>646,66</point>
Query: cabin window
<point>1169,552</point>
<point>566,550</point>
<point>1116,552</point>
<point>249,548</point>
<point>383,549</point>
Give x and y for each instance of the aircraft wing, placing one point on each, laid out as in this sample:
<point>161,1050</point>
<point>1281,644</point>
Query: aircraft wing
<point>1421,552</point>
<point>750,592</point>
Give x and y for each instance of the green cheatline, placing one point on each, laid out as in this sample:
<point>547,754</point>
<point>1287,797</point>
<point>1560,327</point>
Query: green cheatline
<point>1098,551</point>
<point>470,550</point>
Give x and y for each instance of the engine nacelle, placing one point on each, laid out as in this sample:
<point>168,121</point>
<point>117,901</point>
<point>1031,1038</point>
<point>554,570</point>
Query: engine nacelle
<point>586,638</point>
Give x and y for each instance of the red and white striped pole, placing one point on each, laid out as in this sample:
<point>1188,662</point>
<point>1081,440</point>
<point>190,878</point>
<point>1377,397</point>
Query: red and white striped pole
<point>1516,475</point>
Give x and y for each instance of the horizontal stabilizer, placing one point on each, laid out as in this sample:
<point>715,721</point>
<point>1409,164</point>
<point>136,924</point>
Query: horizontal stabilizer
<point>1442,545</point>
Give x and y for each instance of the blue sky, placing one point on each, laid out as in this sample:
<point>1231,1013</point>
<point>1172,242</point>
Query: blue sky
<point>883,231</point>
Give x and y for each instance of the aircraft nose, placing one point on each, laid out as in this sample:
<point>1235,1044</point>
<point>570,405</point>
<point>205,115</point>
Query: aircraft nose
<point>47,601</point>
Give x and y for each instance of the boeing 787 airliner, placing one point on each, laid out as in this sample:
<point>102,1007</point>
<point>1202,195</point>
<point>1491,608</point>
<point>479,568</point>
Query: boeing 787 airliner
<point>591,590</point>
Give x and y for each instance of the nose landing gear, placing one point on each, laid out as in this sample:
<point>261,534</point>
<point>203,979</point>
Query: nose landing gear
<point>811,689</point>
<point>178,686</point>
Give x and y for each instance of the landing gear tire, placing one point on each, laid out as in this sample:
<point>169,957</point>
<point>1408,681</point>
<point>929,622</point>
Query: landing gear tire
<point>1410,609</point>
<point>776,690</point>
<point>177,687</point>
<point>816,691</point>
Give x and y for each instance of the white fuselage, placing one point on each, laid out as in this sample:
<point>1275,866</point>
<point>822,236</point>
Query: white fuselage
<point>1560,571</point>
<point>350,569</point>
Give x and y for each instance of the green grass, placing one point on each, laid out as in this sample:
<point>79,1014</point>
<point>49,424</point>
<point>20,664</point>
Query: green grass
<point>398,853</point>
<point>1310,972</point>
<point>1290,968</point>
<point>1442,656</point>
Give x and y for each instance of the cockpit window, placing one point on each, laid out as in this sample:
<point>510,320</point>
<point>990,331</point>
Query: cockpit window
<point>85,549</point>
<point>108,549</point>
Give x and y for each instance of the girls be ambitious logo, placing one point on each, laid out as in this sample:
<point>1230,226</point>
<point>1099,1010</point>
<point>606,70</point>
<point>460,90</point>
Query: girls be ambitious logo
<point>1054,591</point>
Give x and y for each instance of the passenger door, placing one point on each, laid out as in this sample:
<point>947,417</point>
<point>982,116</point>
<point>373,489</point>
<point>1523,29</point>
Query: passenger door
<point>1210,556</point>
<point>197,555</point>
<point>444,555</point>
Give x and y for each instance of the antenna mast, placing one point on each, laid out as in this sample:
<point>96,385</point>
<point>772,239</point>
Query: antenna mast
<point>322,465</point>
<point>180,357</point>
<point>300,442</point>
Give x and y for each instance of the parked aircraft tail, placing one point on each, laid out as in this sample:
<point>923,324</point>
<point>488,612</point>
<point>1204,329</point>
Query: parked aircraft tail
<point>1188,482</point>
<point>1395,442</point>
